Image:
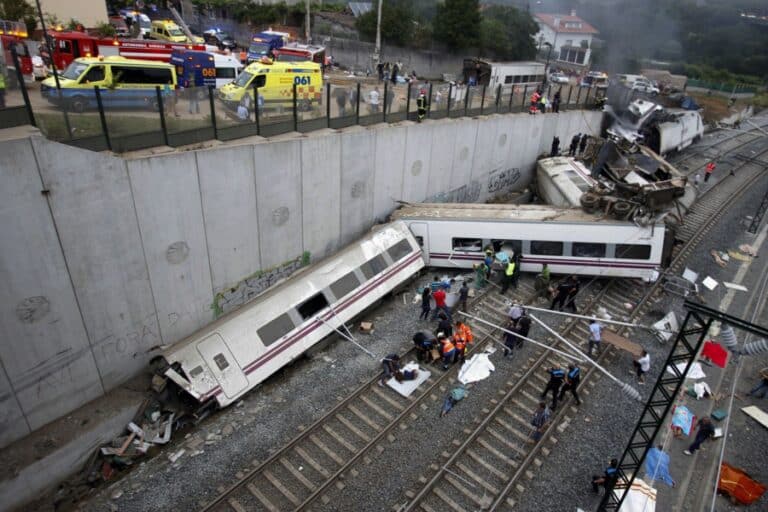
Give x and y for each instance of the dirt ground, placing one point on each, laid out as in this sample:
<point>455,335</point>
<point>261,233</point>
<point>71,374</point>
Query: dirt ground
<point>716,107</point>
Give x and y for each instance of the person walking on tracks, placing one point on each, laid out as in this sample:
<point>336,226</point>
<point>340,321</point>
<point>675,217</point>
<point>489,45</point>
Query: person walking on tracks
<point>426,297</point>
<point>706,430</point>
<point>556,376</point>
<point>572,378</point>
<point>539,422</point>
<point>461,304</point>
<point>440,305</point>
<point>391,365</point>
<point>509,275</point>
<point>708,171</point>
<point>462,336</point>
<point>515,313</point>
<point>564,293</point>
<point>481,275</point>
<point>642,366</point>
<point>609,478</point>
<point>595,336</point>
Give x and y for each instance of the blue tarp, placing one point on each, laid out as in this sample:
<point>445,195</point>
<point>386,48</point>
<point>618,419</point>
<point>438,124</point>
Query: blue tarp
<point>657,467</point>
<point>689,103</point>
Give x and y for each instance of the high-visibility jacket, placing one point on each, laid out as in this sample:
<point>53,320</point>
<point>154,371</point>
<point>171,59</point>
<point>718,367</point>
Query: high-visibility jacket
<point>2,81</point>
<point>510,269</point>
<point>447,345</point>
<point>462,337</point>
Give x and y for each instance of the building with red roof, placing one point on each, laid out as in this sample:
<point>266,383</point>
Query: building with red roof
<point>570,37</point>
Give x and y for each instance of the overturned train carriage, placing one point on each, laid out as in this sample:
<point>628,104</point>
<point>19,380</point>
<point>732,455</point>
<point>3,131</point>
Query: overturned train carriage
<point>224,360</point>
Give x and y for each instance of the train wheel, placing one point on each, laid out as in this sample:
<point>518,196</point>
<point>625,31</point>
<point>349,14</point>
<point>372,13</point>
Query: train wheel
<point>621,209</point>
<point>589,201</point>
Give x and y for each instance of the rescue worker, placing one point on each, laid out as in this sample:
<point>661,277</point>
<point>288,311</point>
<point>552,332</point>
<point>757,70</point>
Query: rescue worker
<point>509,274</point>
<point>424,342</point>
<point>608,480</point>
<point>444,325</point>
<point>572,378</point>
<point>447,349</point>
<point>556,376</point>
<point>462,337</point>
<point>2,89</point>
<point>421,106</point>
<point>488,260</point>
<point>535,97</point>
<point>481,275</point>
<point>542,281</point>
<point>708,171</point>
<point>391,365</point>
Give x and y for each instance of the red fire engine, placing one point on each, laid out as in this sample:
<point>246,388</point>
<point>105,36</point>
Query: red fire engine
<point>13,33</point>
<point>70,45</point>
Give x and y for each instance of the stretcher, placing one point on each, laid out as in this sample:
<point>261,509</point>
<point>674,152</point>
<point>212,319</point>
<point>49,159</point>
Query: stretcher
<point>621,342</point>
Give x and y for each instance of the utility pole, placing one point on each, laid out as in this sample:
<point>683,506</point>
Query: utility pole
<point>377,51</point>
<point>307,23</point>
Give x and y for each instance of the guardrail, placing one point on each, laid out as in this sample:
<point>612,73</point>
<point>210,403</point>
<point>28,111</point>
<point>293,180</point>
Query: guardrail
<point>126,120</point>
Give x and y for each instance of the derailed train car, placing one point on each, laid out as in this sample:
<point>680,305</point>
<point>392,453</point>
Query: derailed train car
<point>221,362</point>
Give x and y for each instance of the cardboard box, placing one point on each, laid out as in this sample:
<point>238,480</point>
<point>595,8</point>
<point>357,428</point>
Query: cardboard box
<point>366,327</point>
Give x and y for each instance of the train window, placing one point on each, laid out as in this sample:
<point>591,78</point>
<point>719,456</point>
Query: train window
<point>467,244</point>
<point>588,250</point>
<point>633,252</point>
<point>276,329</point>
<point>399,250</point>
<point>194,372</point>
<point>373,266</point>
<point>221,361</point>
<point>312,306</point>
<point>546,248</point>
<point>515,245</point>
<point>420,240</point>
<point>344,285</point>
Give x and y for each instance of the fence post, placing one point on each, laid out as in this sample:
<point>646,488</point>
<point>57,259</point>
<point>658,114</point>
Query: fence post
<point>466,99</point>
<point>328,104</point>
<point>578,95</point>
<point>429,103</point>
<point>498,97</point>
<point>586,98</point>
<point>384,101</point>
<point>525,94</point>
<point>20,78</point>
<point>215,125</point>
<point>570,89</point>
<point>161,110</point>
<point>511,97</point>
<point>102,117</point>
<point>256,112</point>
<point>482,100</point>
<point>408,103</point>
<point>357,107</point>
<point>448,105</point>
<point>295,111</point>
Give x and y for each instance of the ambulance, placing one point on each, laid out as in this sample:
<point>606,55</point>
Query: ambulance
<point>275,81</point>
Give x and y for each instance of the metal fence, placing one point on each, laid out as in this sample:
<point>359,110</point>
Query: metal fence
<point>732,88</point>
<point>100,119</point>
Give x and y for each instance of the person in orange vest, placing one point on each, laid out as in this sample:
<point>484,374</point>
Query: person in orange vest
<point>447,349</point>
<point>462,336</point>
<point>709,170</point>
<point>243,56</point>
<point>535,98</point>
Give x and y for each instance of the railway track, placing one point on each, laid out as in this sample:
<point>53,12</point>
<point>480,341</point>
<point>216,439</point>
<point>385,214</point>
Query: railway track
<point>323,457</point>
<point>485,471</point>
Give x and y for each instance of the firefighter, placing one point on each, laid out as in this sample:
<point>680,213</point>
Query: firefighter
<point>462,336</point>
<point>421,105</point>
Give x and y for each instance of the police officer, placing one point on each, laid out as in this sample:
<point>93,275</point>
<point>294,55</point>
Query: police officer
<point>421,106</point>
<point>572,378</point>
<point>509,275</point>
<point>556,376</point>
<point>608,479</point>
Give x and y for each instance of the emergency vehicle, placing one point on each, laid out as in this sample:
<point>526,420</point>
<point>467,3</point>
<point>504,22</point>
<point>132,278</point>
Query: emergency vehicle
<point>203,69</point>
<point>122,83</point>
<point>275,81</point>
<point>70,45</point>
<point>296,52</point>
<point>166,30</point>
<point>265,43</point>
<point>13,33</point>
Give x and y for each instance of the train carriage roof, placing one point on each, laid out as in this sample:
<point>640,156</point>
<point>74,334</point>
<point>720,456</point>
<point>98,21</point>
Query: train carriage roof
<point>500,212</point>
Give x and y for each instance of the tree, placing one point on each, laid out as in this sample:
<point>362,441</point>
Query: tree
<point>396,23</point>
<point>19,10</point>
<point>507,33</point>
<point>457,24</point>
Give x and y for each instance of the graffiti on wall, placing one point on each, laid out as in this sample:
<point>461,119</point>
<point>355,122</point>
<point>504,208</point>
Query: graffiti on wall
<point>469,193</point>
<point>248,288</point>
<point>502,179</point>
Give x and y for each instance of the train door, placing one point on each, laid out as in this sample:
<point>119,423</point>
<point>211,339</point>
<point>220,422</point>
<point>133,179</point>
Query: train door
<point>420,231</point>
<point>222,365</point>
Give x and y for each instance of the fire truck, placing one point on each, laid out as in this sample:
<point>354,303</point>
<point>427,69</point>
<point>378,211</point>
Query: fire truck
<point>70,45</point>
<point>296,52</point>
<point>12,34</point>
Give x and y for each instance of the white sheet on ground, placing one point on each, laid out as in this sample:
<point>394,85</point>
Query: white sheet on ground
<point>667,326</point>
<point>477,368</point>
<point>640,498</point>
<point>407,387</point>
<point>695,372</point>
<point>701,388</point>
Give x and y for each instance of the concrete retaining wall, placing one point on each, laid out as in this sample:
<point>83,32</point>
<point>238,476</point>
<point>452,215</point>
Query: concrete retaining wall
<point>105,258</point>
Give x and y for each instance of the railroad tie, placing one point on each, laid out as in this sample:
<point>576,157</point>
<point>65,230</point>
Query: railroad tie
<point>376,408</point>
<point>330,453</point>
<point>491,469</point>
<point>236,505</point>
<point>311,461</point>
<point>337,437</point>
<point>478,479</point>
<point>365,419</point>
<point>463,489</point>
<point>448,500</point>
<point>277,484</point>
<point>359,433</point>
<point>263,499</point>
<point>297,474</point>
<point>496,453</point>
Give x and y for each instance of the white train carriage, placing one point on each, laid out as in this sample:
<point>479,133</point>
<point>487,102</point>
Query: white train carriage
<point>227,358</point>
<point>681,129</point>
<point>570,241</point>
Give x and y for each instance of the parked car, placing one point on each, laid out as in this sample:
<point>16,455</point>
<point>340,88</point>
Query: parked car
<point>644,85</point>
<point>220,39</point>
<point>120,26</point>
<point>559,78</point>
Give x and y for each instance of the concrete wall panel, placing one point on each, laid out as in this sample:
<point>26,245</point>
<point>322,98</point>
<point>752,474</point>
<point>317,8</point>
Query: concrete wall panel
<point>320,186</point>
<point>463,154</point>
<point>44,345</point>
<point>277,168</point>
<point>94,213</point>
<point>168,205</point>
<point>389,162</point>
<point>417,165</point>
<point>357,176</point>
<point>441,154</point>
<point>13,424</point>
<point>229,211</point>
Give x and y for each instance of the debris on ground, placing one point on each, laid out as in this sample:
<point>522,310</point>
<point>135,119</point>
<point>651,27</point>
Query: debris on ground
<point>718,257</point>
<point>748,250</point>
<point>366,327</point>
<point>710,283</point>
<point>739,485</point>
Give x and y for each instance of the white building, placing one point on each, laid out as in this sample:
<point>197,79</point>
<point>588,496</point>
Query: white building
<point>570,37</point>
